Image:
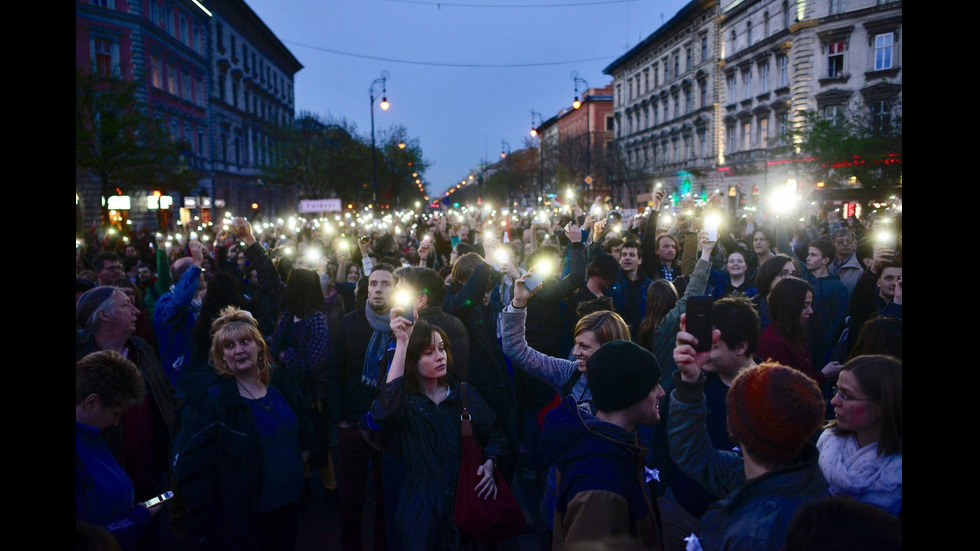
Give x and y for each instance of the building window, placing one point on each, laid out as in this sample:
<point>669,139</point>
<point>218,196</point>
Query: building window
<point>764,77</point>
<point>782,63</point>
<point>224,146</point>
<point>156,68</point>
<point>656,75</point>
<point>666,70</point>
<point>105,57</point>
<point>689,58</point>
<point>688,153</point>
<point>733,37</point>
<point>746,136</point>
<point>763,132</point>
<point>747,84</point>
<point>703,89</point>
<point>676,150</point>
<point>656,114</point>
<point>748,33</point>
<point>219,37</point>
<point>646,117</point>
<point>196,38</point>
<point>609,123</point>
<point>168,20</point>
<point>881,118</point>
<point>687,101</point>
<point>619,93</point>
<point>666,110</point>
<point>704,48</point>
<point>172,79</point>
<point>702,144</point>
<point>630,84</point>
<point>200,143</point>
<point>835,59</point>
<point>646,79</point>
<point>786,17</point>
<point>765,24</point>
<point>185,86</point>
<point>182,29</point>
<point>731,88</point>
<point>731,138</point>
<point>833,113</point>
<point>677,65</point>
<point>837,6</point>
<point>677,105</point>
<point>783,123</point>
<point>884,47</point>
<point>199,91</point>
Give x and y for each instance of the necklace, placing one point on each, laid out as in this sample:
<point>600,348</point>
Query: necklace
<point>256,400</point>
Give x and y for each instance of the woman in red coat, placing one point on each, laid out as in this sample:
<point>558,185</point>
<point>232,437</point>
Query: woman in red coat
<point>784,341</point>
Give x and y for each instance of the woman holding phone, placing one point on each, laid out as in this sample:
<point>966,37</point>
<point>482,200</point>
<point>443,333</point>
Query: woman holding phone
<point>422,401</point>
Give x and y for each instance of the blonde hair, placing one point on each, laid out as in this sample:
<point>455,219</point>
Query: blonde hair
<point>233,323</point>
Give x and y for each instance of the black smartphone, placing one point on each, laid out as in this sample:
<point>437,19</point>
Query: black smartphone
<point>699,321</point>
<point>406,300</point>
<point>159,499</point>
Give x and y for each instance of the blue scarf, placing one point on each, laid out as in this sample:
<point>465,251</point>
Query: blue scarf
<point>377,347</point>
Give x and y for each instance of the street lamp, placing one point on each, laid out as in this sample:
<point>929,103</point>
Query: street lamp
<point>588,124</point>
<point>535,133</point>
<point>504,149</point>
<point>534,129</point>
<point>382,82</point>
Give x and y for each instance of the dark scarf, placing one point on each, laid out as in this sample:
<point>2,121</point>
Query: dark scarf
<point>381,323</point>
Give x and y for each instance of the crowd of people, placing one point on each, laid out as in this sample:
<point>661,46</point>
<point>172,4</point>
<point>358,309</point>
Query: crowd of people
<point>242,365</point>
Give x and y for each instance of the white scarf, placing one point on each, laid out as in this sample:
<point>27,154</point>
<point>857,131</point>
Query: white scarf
<point>859,472</point>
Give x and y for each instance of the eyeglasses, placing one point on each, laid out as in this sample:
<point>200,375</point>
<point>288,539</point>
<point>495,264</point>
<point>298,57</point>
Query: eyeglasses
<point>837,391</point>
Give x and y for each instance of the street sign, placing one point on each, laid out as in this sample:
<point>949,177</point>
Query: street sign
<point>588,179</point>
<point>319,205</point>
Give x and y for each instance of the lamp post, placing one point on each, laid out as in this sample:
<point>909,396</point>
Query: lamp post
<point>536,134</point>
<point>382,82</point>
<point>588,124</point>
<point>504,149</point>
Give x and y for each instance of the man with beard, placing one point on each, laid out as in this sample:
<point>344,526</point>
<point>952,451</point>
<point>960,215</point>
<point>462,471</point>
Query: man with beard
<point>356,363</point>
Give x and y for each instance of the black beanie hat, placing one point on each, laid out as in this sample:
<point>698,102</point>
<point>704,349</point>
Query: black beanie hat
<point>620,374</point>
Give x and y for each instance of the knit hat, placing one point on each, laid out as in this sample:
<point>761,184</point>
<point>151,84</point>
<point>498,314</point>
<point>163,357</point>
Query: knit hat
<point>620,374</point>
<point>772,411</point>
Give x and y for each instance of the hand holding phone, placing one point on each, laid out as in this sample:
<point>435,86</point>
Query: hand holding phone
<point>152,502</point>
<point>698,321</point>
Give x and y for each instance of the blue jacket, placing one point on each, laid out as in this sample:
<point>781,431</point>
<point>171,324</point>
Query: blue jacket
<point>601,488</point>
<point>830,301</point>
<point>173,321</point>
<point>103,491</point>
<point>630,297</point>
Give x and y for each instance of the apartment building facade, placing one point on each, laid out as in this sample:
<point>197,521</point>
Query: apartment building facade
<point>762,63</point>
<point>213,74</point>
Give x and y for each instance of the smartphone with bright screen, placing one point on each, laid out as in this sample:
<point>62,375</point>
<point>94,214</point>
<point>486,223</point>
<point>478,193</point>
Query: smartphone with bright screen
<point>406,300</point>
<point>711,227</point>
<point>159,499</point>
<point>537,276</point>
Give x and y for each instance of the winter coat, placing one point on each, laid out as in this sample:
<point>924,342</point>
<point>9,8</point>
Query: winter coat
<point>217,462</point>
<point>755,514</point>
<point>601,491</point>
<point>430,445</point>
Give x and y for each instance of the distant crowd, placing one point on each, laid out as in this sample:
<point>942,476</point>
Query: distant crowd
<point>672,378</point>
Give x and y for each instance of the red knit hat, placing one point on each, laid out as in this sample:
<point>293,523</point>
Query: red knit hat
<point>772,411</point>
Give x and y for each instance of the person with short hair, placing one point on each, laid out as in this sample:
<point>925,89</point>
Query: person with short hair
<point>845,265</point>
<point>107,267</point>
<point>684,500</point>
<point>773,411</point>
<point>106,386</point>
<point>629,291</point>
<point>830,300</point>
<point>601,493</point>
<point>429,290</point>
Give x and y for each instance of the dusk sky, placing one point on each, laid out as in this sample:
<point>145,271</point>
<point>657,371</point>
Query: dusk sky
<point>463,74</point>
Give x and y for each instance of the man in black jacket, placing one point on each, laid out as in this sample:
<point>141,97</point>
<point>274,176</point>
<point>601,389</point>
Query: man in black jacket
<point>356,363</point>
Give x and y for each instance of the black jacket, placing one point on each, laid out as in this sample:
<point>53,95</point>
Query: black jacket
<point>347,397</point>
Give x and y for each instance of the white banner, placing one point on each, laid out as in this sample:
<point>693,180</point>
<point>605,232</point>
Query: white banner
<point>319,205</point>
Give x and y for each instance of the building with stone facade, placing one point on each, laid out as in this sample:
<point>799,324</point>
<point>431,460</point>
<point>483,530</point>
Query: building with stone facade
<point>214,75</point>
<point>707,97</point>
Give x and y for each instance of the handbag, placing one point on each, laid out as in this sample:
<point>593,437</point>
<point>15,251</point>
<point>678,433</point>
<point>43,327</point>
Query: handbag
<point>477,518</point>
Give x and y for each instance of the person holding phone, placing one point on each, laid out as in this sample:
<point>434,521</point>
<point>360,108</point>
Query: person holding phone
<point>106,385</point>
